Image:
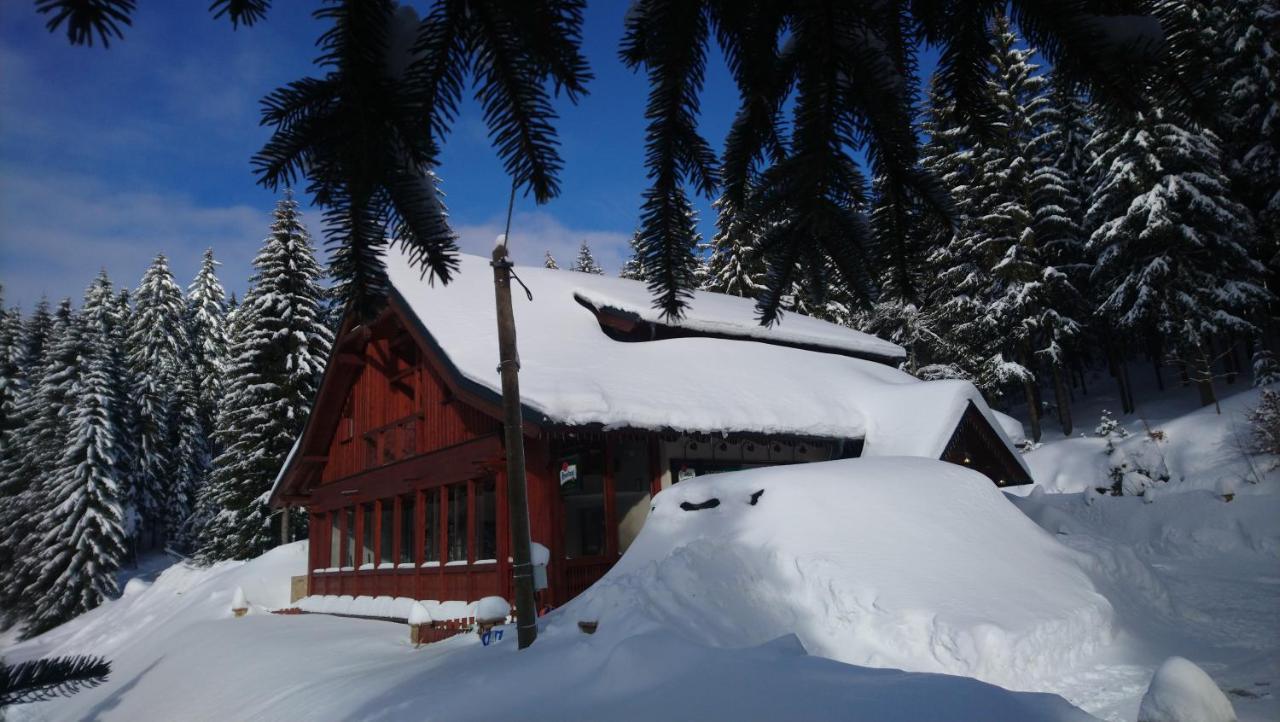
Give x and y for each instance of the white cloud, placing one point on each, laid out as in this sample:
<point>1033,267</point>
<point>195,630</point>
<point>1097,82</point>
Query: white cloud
<point>57,230</point>
<point>533,234</point>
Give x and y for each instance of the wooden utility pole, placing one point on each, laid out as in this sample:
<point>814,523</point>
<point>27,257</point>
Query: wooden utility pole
<point>517,487</point>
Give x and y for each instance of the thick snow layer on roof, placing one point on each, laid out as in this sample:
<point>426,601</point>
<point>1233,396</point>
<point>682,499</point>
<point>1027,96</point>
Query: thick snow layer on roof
<point>718,313</point>
<point>574,374</point>
<point>908,563</point>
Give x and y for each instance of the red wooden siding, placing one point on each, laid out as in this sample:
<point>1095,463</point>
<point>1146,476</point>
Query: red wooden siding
<point>397,408</point>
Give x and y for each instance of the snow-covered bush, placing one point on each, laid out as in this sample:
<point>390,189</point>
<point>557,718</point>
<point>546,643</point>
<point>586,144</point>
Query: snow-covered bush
<point>1264,421</point>
<point>1134,468</point>
<point>1181,692</point>
<point>1108,427</point>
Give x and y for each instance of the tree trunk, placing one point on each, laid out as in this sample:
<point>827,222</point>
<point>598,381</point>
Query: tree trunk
<point>1064,403</point>
<point>1156,354</point>
<point>1117,365</point>
<point>1032,411</point>
<point>1128,387</point>
<point>1232,360</point>
<point>1204,378</point>
<point>1033,398</point>
<point>284,525</point>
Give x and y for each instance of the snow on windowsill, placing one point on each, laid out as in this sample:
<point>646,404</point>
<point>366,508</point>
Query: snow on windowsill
<point>406,565</point>
<point>431,564</point>
<point>485,561</point>
<point>346,569</point>
<point>364,567</point>
<point>459,563</point>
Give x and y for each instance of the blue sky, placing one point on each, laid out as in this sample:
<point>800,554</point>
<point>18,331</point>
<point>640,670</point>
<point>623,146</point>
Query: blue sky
<point>108,157</point>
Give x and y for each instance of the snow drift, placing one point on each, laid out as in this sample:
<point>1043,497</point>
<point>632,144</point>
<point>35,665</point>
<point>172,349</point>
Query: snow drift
<point>177,653</point>
<point>907,563</point>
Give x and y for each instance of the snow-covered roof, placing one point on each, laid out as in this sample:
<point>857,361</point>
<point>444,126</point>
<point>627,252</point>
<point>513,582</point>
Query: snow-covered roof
<point>573,374</point>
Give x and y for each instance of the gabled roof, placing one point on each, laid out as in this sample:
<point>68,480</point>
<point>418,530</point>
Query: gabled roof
<point>797,377</point>
<point>722,373</point>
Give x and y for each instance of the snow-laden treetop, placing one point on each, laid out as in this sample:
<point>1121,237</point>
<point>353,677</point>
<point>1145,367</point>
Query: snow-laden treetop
<point>573,374</point>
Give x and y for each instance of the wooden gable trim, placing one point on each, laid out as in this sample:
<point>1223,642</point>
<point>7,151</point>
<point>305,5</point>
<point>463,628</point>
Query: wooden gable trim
<point>346,361</point>
<point>473,394</point>
<point>990,444</point>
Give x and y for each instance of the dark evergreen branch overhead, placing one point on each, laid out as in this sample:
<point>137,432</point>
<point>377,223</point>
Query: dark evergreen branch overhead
<point>43,679</point>
<point>85,18</point>
<point>240,12</point>
<point>820,82</point>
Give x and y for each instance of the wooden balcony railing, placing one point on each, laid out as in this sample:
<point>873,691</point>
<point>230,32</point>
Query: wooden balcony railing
<point>392,442</point>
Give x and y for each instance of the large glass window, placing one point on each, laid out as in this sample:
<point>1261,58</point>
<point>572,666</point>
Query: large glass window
<point>431,530</point>
<point>631,479</point>
<point>335,539</point>
<point>349,528</point>
<point>366,546</point>
<point>457,522</point>
<point>406,530</point>
<point>486,520</point>
<point>582,486</point>
<point>388,531</point>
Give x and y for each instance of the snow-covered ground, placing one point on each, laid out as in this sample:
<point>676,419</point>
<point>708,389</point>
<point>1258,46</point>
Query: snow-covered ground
<point>804,605</point>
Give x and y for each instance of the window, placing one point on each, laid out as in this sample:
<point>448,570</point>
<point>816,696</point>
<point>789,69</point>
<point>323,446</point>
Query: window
<point>486,520</point>
<point>366,554</point>
<point>349,529</point>
<point>457,522</point>
<point>335,539</point>
<point>631,488</point>
<point>431,527</point>
<point>388,535</point>
<point>582,486</point>
<point>406,530</point>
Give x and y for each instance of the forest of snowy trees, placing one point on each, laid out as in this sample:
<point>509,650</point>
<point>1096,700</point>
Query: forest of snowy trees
<point>1083,236</point>
<point>151,418</point>
<point>1080,236</point>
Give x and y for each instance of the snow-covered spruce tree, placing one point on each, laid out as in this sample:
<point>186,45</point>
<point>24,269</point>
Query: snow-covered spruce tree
<point>633,268</point>
<point>586,262</point>
<point>11,375</point>
<point>207,331</point>
<point>17,504</point>
<point>898,314</point>
<point>549,261</point>
<point>278,350</point>
<point>81,536</point>
<point>735,265</point>
<point>1249,74</point>
<point>952,305</point>
<point>1170,241</point>
<point>1019,306</point>
<point>127,459</point>
<point>46,407</point>
<point>200,387</point>
<point>158,351</point>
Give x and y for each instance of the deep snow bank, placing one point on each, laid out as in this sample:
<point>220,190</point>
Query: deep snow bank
<point>178,654</point>
<point>181,595</point>
<point>904,562</point>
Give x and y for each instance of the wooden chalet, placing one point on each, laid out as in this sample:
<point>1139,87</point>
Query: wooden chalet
<point>401,464</point>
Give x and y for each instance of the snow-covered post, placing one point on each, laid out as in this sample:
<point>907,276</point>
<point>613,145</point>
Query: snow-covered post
<point>239,605</point>
<point>517,486</point>
<point>418,618</point>
<point>1181,692</point>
